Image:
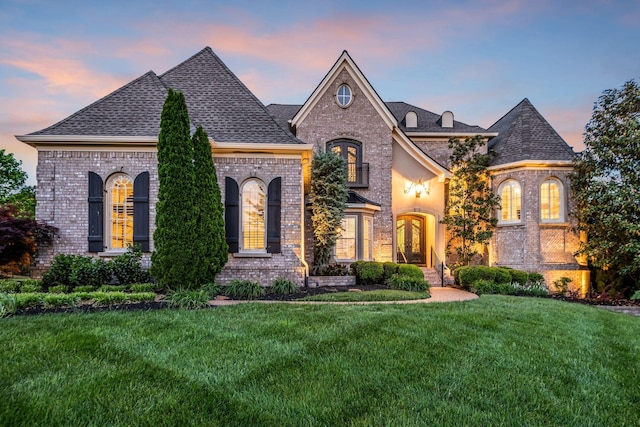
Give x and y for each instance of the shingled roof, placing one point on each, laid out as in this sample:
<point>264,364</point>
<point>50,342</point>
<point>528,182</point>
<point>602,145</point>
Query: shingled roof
<point>523,134</point>
<point>215,97</point>
<point>427,121</point>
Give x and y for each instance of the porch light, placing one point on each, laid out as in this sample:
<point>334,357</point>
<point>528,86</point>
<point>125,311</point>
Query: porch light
<point>418,188</point>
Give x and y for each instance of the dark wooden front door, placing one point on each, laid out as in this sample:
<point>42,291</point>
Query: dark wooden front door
<point>410,239</point>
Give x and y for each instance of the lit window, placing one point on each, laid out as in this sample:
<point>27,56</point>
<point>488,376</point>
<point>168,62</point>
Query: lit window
<point>120,211</point>
<point>367,238</point>
<point>511,203</point>
<point>344,96</point>
<point>346,243</point>
<point>351,152</point>
<point>550,200</point>
<point>253,216</point>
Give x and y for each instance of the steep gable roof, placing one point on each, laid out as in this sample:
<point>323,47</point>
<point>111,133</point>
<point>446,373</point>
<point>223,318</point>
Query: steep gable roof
<point>523,134</point>
<point>216,99</point>
<point>427,121</point>
<point>222,104</point>
<point>132,110</point>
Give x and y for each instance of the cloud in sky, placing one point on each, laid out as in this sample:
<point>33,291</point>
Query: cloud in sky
<point>477,58</point>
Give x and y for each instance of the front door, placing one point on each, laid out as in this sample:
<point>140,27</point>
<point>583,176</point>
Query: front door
<point>410,239</point>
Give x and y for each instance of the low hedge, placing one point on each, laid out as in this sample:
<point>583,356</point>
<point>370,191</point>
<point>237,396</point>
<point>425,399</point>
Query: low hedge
<point>468,275</point>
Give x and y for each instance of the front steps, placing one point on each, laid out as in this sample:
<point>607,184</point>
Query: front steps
<point>431,276</point>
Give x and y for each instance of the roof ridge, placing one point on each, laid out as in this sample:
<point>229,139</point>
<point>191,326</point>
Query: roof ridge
<point>104,98</point>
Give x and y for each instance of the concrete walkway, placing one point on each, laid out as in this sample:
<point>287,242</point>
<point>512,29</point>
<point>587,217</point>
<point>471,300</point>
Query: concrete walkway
<point>437,295</point>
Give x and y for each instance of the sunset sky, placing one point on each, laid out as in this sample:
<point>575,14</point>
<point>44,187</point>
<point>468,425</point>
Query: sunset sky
<point>475,58</point>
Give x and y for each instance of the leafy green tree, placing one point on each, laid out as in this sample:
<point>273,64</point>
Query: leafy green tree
<point>606,183</point>
<point>328,200</point>
<point>175,233</point>
<point>211,244</point>
<point>12,188</point>
<point>469,213</point>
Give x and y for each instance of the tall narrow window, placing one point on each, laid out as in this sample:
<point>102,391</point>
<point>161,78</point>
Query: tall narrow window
<point>367,238</point>
<point>511,203</point>
<point>550,200</point>
<point>346,243</point>
<point>120,211</point>
<point>253,216</point>
<point>351,152</point>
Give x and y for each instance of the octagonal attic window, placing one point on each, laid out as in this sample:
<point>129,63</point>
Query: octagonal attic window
<point>344,96</point>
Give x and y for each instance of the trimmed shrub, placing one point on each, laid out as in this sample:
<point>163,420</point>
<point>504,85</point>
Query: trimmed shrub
<point>371,272</point>
<point>355,268</point>
<point>468,275</point>
<point>89,271</point>
<point>503,275</point>
<point>410,270</point>
<point>244,289</point>
<point>60,271</point>
<point>83,295</point>
<point>127,268</point>
<point>519,276</point>
<point>283,286</point>
<point>389,268</point>
<point>142,287</point>
<point>408,283</point>
<point>536,278</point>
<point>484,286</point>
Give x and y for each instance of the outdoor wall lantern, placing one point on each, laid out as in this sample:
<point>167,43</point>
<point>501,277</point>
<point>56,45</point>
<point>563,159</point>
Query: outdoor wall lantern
<point>418,188</point>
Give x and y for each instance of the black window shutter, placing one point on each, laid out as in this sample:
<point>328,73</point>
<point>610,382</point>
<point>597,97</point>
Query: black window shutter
<point>141,211</point>
<point>273,216</point>
<point>231,213</point>
<point>96,220</point>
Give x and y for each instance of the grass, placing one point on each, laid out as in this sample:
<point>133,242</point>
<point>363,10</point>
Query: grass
<point>376,295</point>
<point>497,360</point>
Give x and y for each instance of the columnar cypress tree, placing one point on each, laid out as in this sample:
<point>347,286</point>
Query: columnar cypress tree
<point>175,231</point>
<point>211,245</point>
<point>328,200</point>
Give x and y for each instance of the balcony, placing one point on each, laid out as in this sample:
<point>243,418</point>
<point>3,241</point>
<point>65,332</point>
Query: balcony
<point>358,175</point>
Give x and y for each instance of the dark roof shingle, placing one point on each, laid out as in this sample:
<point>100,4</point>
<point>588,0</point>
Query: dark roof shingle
<point>427,121</point>
<point>523,134</point>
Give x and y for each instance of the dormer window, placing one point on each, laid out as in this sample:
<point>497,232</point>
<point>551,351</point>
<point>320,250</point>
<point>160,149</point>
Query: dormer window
<point>411,119</point>
<point>447,119</point>
<point>344,96</point>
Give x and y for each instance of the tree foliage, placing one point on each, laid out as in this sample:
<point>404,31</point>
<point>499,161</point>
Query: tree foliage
<point>328,199</point>
<point>19,240</point>
<point>12,187</point>
<point>606,182</point>
<point>211,244</point>
<point>175,233</point>
<point>469,214</point>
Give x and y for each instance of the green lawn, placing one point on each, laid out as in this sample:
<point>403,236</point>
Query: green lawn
<point>492,361</point>
<point>375,295</point>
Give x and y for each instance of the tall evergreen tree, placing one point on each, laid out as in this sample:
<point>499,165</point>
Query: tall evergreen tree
<point>175,233</point>
<point>210,243</point>
<point>469,213</point>
<point>328,200</point>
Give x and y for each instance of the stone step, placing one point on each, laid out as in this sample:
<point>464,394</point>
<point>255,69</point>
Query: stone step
<point>431,276</point>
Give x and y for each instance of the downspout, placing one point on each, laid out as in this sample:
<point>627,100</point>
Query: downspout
<point>302,232</point>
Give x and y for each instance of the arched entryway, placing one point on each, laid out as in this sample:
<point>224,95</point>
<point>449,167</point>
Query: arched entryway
<point>415,239</point>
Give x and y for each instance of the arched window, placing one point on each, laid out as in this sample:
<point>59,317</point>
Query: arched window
<point>351,152</point>
<point>511,201</point>
<point>253,215</point>
<point>120,211</point>
<point>551,208</point>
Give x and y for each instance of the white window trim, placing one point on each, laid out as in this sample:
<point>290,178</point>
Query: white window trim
<point>355,239</point>
<point>241,249</point>
<point>108,211</point>
<point>509,181</point>
<point>351,96</point>
<point>561,203</point>
<point>368,218</point>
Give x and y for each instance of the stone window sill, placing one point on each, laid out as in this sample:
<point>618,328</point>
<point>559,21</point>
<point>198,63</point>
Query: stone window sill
<point>510,224</point>
<point>554,224</point>
<point>111,253</point>
<point>251,255</point>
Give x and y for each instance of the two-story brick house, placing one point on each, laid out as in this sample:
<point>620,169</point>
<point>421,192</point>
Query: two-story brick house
<point>97,174</point>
